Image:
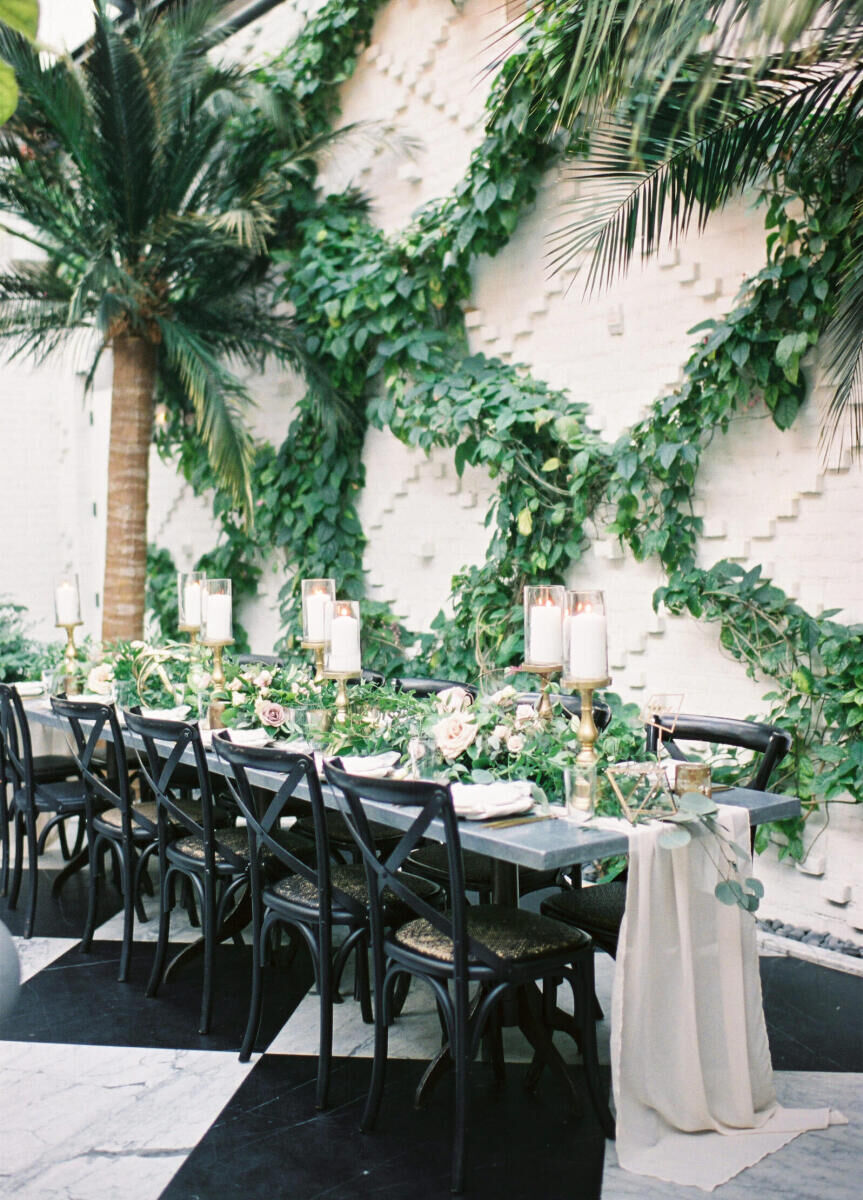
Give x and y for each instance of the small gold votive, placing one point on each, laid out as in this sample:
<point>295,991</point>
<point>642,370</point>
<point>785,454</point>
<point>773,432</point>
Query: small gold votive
<point>692,777</point>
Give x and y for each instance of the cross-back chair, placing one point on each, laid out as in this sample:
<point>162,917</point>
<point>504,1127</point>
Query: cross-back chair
<point>196,842</point>
<point>313,895</point>
<point>599,909</point>
<point>115,824</point>
<point>503,950</point>
<point>26,799</point>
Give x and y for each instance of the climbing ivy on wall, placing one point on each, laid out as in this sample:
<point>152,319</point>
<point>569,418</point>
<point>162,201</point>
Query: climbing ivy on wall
<point>382,316</point>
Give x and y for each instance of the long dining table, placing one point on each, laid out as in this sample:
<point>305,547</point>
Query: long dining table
<point>541,845</point>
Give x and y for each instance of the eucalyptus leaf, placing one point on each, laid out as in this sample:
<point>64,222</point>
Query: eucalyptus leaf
<point>671,839</point>
<point>480,775</point>
<point>724,893</point>
<point>755,886</point>
<point>698,803</point>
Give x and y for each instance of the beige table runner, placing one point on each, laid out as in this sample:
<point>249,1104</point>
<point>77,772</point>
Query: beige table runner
<point>691,1069</point>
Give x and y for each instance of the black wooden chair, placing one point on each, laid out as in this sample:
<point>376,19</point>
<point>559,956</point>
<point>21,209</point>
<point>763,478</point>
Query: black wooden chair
<point>115,824</point>
<point>503,950</point>
<point>599,909</point>
<point>26,799</point>
<point>312,894</point>
<point>210,854</point>
<point>430,860</point>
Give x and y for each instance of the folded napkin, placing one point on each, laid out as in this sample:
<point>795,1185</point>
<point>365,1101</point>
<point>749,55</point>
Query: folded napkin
<point>375,766</point>
<point>478,801</point>
<point>249,737</point>
<point>29,687</point>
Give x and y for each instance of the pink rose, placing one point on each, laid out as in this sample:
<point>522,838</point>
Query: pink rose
<point>453,700</point>
<point>272,714</point>
<point>454,734</point>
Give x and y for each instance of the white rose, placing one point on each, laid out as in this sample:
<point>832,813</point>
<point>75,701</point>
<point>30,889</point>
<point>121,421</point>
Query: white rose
<point>236,685</point>
<point>454,734</point>
<point>99,679</point>
<point>524,714</point>
<point>505,696</point>
<point>453,700</point>
<point>263,679</point>
<point>515,743</point>
<point>497,737</point>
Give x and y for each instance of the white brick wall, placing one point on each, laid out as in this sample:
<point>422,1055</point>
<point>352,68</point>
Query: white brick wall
<point>766,496</point>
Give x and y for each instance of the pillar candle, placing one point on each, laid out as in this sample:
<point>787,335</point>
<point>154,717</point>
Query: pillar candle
<point>344,643</point>
<point>316,603</point>
<point>67,605</point>
<point>588,645</point>
<point>192,603</point>
<point>546,634</point>
<point>217,622</point>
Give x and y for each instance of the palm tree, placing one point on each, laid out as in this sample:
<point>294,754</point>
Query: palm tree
<point>22,15</point>
<point>673,107</point>
<point>152,224</point>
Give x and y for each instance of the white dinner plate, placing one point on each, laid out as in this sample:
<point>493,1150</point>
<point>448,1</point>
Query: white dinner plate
<point>29,687</point>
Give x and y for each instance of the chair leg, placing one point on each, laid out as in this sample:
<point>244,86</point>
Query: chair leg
<point>208,922</point>
<point>460,1065</point>
<point>379,1064</point>
<point>92,896</point>
<point>64,844</point>
<point>361,982</point>
<point>19,860</point>
<point>5,840</point>
<point>164,929</point>
<point>256,1001</point>
<point>79,837</point>
<point>33,871</point>
<point>129,875</point>
<point>325,1047</point>
<point>584,996</point>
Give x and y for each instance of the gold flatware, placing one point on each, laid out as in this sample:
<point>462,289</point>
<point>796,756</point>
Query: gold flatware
<point>510,821</point>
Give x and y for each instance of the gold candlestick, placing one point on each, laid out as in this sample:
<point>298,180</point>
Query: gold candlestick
<point>318,648</point>
<point>587,731</point>
<point>545,672</point>
<point>217,707</point>
<point>193,632</point>
<point>70,656</point>
<point>341,693</point>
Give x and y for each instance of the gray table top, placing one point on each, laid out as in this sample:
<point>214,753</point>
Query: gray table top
<point>542,845</point>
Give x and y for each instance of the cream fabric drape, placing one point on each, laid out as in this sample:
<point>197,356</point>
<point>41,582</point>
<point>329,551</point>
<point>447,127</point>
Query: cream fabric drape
<point>691,1070</point>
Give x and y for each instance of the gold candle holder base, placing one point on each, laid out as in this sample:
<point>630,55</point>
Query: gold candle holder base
<point>318,648</point>
<point>193,632</point>
<point>341,692</point>
<point>70,657</point>
<point>545,672</point>
<point>217,707</point>
<point>587,731</point>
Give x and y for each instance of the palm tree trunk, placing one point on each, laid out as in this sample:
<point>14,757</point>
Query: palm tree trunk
<point>128,476</point>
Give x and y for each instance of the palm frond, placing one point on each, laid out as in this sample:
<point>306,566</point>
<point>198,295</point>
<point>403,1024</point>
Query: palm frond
<point>218,399</point>
<point>844,342</point>
<point>634,197</point>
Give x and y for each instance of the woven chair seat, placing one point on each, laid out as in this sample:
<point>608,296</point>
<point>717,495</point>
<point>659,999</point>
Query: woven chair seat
<point>513,934</point>
<point>148,811</point>
<point>237,841</point>
<point>350,879</point>
<point>597,908</point>
<point>339,834</point>
<point>431,861</point>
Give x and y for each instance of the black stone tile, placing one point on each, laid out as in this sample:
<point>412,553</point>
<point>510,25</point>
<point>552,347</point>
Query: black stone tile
<point>62,915</point>
<point>814,1016</point>
<point>269,1141</point>
<point>77,1000</point>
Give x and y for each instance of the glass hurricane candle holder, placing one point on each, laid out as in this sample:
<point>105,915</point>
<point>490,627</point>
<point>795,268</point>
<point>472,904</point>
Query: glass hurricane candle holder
<point>190,601</point>
<point>216,611</point>
<point>585,639</point>
<point>543,626</point>
<point>317,594</point>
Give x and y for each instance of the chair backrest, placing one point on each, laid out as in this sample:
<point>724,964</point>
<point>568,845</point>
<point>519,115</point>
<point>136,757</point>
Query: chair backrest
<point>434,801</point>
<point>92,722</point>
<point>418,685</point>
<point>16,748</point>
<point>572,706</point>
<point>165,744</point>
<point>263,811</point>
<point>264,660</point>
<point>769,741</point>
